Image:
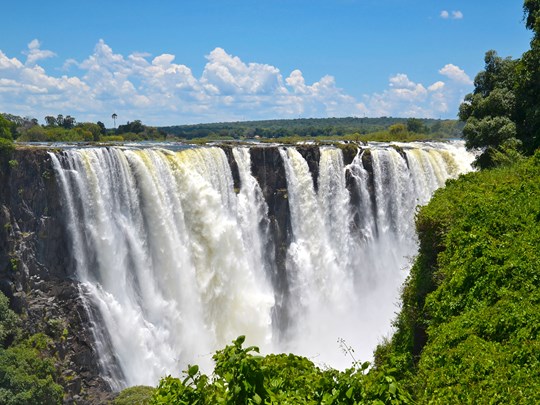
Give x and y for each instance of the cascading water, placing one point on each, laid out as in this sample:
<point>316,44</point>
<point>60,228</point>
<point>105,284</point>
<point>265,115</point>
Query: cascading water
<point>175,260</point>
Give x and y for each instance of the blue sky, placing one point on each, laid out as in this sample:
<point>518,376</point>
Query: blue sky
<point>174,62</point>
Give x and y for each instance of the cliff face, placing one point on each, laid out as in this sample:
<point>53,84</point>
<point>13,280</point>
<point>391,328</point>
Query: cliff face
<point>267,167</point>
<point>36,271</point>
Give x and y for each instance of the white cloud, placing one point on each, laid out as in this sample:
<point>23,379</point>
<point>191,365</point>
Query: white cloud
<point>454,15</point>
<point>456,74</point>
<point>406,98</point>
<point>160,91</point>
<point>436,86</point>
<point>34,53</point>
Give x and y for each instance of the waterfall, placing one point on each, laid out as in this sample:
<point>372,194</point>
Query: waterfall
<point>175,262</point>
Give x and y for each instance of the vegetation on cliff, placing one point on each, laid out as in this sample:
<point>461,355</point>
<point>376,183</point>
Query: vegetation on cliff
<point>469,327</point>
<point>6,137</point>
<point>27,370</point>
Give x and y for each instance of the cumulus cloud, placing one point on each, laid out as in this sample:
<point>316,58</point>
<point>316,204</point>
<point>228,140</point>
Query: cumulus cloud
<point>456,74</point>
<point>160,91</point>
<point>454,15</point>
<point>404,97</point>
<point>35,54</point>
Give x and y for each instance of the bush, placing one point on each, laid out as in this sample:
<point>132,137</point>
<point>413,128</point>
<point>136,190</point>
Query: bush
<point>6,145</point>
<point>26,374</point>
<point>241,377</point>
<point>26,377</point>
<point>138,395</point>
<point>9,322</point>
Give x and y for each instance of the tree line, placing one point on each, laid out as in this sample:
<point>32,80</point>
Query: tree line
<point>62,128</point>
<point>318,127</point>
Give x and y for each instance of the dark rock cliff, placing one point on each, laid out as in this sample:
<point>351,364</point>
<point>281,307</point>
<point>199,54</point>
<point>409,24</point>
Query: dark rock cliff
<point>267,167</point>
<point>36,271</point>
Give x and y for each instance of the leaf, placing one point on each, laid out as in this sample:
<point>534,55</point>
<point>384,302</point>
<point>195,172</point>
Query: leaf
<point>192,370</point>
<point>240,340</point>
<point>349,393</point>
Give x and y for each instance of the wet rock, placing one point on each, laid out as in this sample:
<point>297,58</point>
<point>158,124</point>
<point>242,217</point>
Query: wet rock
<point>36,271</point>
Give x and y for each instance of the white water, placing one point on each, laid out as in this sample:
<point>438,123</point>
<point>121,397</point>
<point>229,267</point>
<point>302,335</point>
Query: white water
<point>174,258</point>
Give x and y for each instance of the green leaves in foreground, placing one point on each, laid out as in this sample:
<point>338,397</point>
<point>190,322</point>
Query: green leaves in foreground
<point>241,376</point>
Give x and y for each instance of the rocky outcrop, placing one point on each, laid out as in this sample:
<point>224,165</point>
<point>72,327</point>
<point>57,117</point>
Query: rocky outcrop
<point>267,167</point>
<point>37,272</point>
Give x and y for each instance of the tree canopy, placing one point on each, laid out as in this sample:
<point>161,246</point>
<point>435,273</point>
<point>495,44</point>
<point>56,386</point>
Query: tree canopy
<point>502,114</point>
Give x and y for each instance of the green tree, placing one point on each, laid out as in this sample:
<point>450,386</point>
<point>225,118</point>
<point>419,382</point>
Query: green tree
<point>416,125</point>
<point>50,120</point>
<point>68,122</point>
<point>102,129</point>
<point>8,321</point>
<point>505,104</point>
<point>92,128</point>
<point>528,82</point>
<point>489,112</point>
<point>5,129</point>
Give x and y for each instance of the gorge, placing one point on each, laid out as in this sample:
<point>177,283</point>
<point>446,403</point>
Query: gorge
<point>154,258</point>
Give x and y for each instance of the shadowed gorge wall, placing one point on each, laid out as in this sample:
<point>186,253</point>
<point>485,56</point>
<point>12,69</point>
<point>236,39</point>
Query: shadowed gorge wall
<point>36,269</point>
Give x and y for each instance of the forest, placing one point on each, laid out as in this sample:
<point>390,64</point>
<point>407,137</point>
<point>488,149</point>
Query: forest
<point>308,128</point>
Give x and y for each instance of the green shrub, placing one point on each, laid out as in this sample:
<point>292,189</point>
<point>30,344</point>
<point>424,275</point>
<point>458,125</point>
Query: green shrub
<point>6,145</point>
<point>112,138</point>
<point>9,321</point>
<point>138,395</point>
<point>242,377</point>
<point>26,377</point>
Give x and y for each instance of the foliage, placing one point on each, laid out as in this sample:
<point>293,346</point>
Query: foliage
<point>505,102</point>
<point>112,138</point>
<point>138,395</point>
<point>241,377</point>
<point>81,133</point>
<point>66,129</point>
<point>6,137</point>
<point>66,122</point>
<point>468,330</point>
<point>314,128</point>
<point>27,375</point>
<point>5,129</point>
<point>8,322</point>
<point>490,111</point>
<point>416,125</point>
<point>6,145</point>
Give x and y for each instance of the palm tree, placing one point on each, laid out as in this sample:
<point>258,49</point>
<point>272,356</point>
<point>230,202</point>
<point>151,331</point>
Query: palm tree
<point>114,116</point>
